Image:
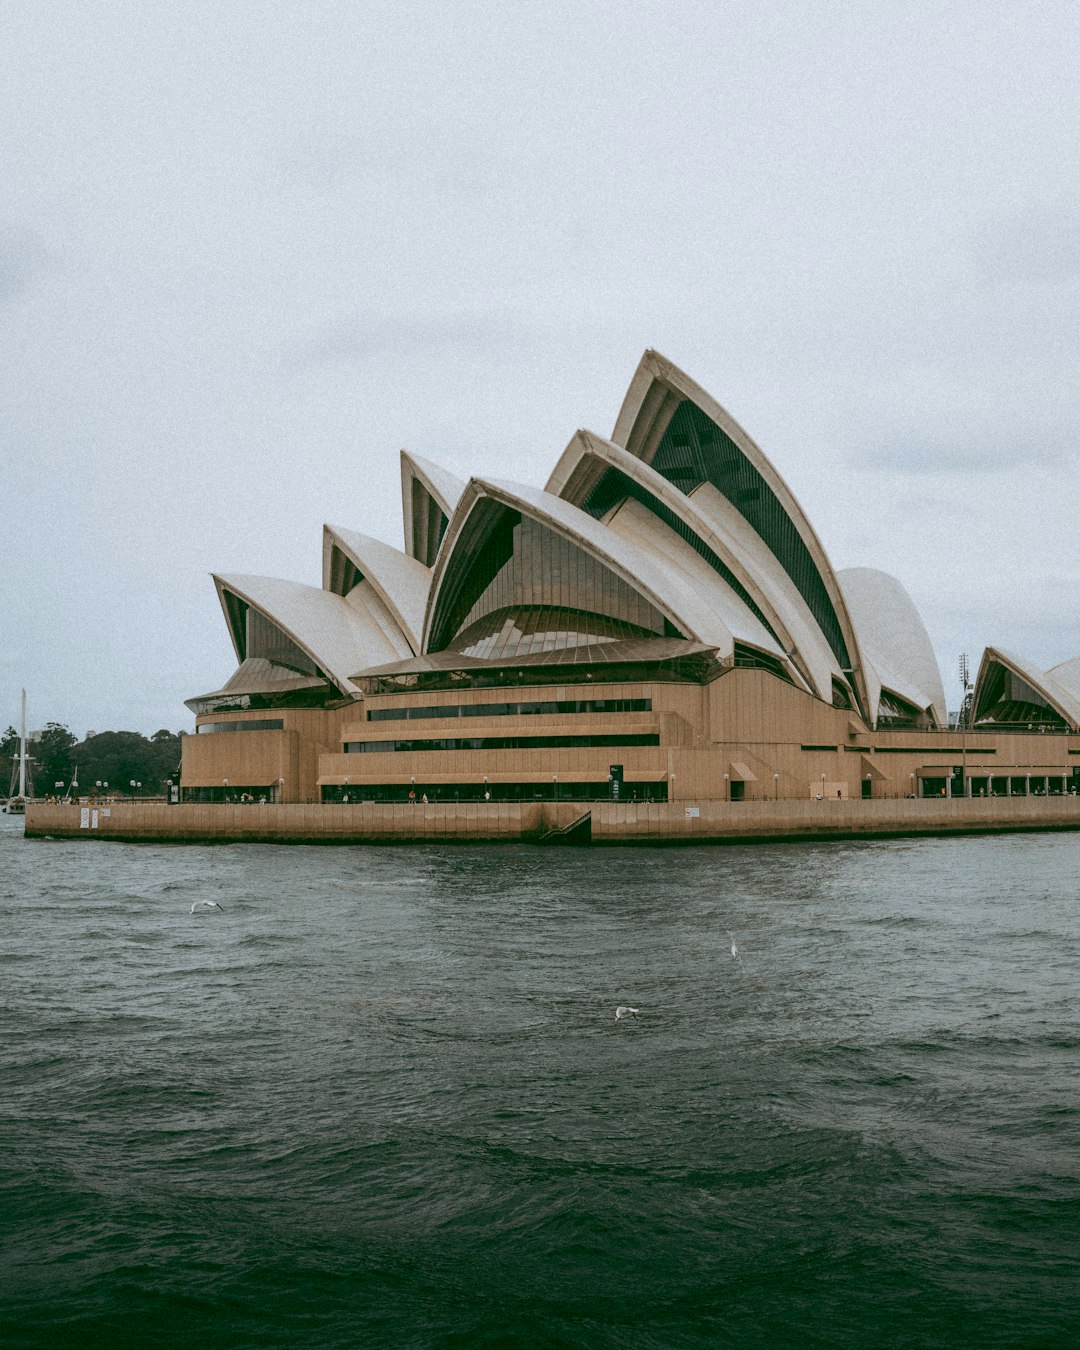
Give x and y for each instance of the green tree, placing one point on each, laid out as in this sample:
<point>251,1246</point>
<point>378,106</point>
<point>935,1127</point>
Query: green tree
<point>119,757</point>
<point>9,754</point>
<point>52,757</point>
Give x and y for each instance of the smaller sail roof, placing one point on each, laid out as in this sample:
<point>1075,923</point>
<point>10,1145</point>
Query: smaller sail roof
<point>1039,682</point>
<point>335,635</point>
<point>429,497</point>
<point>401,582</point>
<point>894,640</point>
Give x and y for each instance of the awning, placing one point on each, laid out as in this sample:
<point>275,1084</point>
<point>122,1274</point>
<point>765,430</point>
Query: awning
<point>868,769</point>
<point>740,771</point>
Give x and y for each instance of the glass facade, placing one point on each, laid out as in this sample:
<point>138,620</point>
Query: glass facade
<point>514,633</point>
<point>525,709</point>
<point>254,724</point>
<point>428,524</point>
<point>501,743</point>
<point>696,667</point>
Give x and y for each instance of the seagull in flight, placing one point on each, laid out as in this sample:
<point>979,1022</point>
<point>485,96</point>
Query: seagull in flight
<point>201,905</point>
<point>623,1011</point>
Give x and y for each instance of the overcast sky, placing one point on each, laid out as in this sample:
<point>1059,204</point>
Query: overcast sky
<point>250,250</point>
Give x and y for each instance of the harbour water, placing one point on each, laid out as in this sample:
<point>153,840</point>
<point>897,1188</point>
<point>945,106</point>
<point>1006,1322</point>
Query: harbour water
<point>381,1099</point>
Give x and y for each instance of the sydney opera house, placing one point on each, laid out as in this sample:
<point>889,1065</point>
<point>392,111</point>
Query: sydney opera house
<point>660,623</point>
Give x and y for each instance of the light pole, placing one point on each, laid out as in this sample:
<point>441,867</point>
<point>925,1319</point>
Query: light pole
<point>727,787</point>
<point>224,791</point>
<point>912,777</point>
<point>555,786</point>
<point>822,787</point>
<point>776,787</point>
<point>281,789</point>
<point>671,792</point>
<point>487,793</point>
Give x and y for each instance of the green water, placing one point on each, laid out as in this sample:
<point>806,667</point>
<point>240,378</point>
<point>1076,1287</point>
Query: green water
<point>382,1098</point>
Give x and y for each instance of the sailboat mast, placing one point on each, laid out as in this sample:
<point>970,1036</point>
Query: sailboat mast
<point>22,750</point>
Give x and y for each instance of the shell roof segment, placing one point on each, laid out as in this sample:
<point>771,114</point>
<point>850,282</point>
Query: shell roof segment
<point>335,636</point>
<point>894,640</point>
<point>676,426</point>
<point>599,476</point>
<point>400,581</point>
<point>429,497</point>
<point>668,591</point>
<point>1003,673</point>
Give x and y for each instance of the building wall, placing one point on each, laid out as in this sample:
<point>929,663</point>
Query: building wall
<point>746,732</point>
<point>262,758</point>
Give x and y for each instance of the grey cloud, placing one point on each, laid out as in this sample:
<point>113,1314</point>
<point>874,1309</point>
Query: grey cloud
<point>22,256</point>
<point>356,339</point>
<point>1040,247</point>
<point>919,458</point>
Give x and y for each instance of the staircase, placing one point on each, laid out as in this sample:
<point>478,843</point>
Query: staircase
<point>579,831</point>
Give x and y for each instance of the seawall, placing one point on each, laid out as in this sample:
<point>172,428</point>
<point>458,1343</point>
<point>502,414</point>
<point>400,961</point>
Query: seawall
<point>612,822</point>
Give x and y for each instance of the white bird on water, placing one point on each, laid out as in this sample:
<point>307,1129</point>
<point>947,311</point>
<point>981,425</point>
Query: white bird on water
<point>201,905</point>
<point>623,1011</point>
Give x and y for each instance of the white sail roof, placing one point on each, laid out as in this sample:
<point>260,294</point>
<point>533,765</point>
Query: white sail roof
<point>429,497</point>
<point>736,554</point>
<point>400,581</point>
<point>337,636</point>
<point>670,422</point>
<point>894,640</point>
<point>665,588</point>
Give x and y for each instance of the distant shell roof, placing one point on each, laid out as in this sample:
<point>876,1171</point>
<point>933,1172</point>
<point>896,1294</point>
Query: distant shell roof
<point>1056,694</point>
<point>893,638</point>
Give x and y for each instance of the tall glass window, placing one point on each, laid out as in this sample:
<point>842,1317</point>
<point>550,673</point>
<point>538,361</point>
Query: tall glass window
<point>544,593</point>
<point>266,639</point>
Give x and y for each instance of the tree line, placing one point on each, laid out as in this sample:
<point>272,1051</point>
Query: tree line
<point>118,758</point>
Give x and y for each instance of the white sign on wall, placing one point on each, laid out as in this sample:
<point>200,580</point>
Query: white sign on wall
<point>693,812</point>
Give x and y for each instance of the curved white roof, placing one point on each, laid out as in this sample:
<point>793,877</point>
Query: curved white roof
<point>1067,677</point>
<point>428,493</point>
<point>638,526</point>
<point>401,582</point>
<point>762,498</point>
<point>665,588</point>
<point>894,639</point>
<point>338,636</point>
<point>749,563</point>
<point>1054,693</point>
